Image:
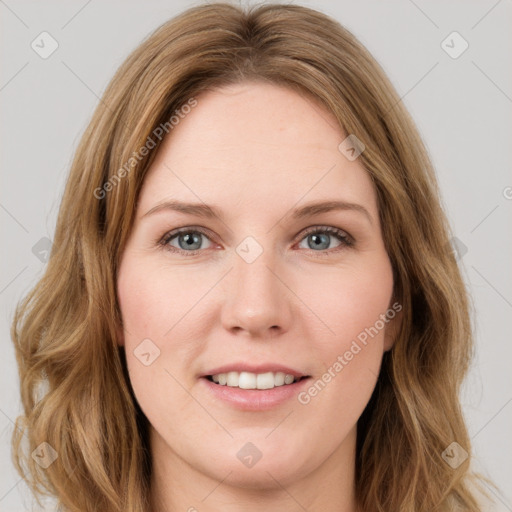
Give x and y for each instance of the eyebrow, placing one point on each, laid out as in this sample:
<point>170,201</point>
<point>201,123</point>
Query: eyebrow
<point>308,210</point>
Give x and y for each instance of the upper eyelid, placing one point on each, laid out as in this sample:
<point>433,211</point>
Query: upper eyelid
<point>331,229</point>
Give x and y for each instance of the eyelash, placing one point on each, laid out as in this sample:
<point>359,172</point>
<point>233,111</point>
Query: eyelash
<point>345,239</point>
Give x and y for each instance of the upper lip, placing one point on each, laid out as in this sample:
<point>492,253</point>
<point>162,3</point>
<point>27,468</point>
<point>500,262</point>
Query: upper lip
<point>260,368</point>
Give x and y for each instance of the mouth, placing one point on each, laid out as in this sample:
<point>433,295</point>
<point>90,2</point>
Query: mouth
<point>254,381</point>
<point>255,388</point>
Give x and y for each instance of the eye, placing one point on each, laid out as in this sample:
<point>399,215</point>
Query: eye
<point>320,238</point>
<point>188,241</point>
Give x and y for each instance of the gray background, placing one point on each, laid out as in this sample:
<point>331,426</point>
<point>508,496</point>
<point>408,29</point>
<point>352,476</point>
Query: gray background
<point>462,108</point>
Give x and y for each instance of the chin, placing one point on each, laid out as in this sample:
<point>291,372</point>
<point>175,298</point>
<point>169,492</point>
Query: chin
<point>264,475</point>
<point>261,465</point>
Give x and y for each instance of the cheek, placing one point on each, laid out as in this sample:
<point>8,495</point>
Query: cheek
<point>152,299</point>
<point>349,301</point>
<point>155,303</point>
<point>353,304</point>
<point>147,315</point>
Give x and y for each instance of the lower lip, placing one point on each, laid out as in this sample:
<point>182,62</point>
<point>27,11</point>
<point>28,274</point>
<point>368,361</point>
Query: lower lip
<point>255,399</point>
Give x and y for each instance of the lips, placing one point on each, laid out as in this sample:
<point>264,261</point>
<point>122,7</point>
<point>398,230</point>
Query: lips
<point>248,399</point>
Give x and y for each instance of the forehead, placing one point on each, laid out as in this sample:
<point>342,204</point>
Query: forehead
<point>255,145</point>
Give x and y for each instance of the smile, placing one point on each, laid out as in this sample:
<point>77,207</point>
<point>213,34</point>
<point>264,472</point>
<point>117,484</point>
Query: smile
<point>248,380</point>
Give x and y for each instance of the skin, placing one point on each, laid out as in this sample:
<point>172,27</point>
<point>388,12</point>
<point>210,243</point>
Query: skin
<point>255,151</point>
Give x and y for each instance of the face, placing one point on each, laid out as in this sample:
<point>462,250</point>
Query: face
<point>257,284</point>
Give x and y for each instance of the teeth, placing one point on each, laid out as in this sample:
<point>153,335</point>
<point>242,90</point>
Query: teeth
<point>232,379</point>
<point>247,380</point>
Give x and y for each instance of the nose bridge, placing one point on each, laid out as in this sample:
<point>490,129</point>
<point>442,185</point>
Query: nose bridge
<point>256,300</point>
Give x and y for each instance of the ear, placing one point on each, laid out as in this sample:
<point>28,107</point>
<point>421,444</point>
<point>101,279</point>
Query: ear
<point>393,327</point>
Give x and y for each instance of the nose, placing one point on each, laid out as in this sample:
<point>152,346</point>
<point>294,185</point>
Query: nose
<point>257,299</point>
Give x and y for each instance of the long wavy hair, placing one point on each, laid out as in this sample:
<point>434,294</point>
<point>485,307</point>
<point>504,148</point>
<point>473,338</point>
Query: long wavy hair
<point>75,389</point>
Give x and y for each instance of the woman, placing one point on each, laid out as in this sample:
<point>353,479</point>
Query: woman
<point>251,301</point>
